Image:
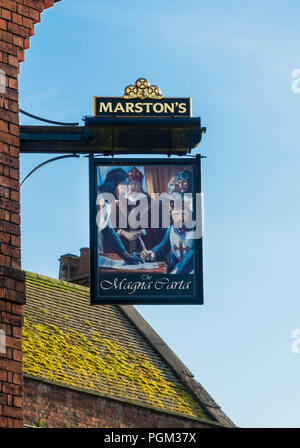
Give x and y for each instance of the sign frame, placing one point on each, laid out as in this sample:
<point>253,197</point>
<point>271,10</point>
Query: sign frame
<point>95,297</point>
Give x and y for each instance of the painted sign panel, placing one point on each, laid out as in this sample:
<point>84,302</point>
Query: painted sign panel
<point>146,231</point>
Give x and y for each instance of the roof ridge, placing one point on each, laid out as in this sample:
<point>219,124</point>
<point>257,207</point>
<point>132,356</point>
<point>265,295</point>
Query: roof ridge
<point>57,281</point>
<point>199,393</point>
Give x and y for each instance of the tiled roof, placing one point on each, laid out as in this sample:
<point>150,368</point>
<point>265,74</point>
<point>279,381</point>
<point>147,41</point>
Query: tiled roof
<point>97,348</point>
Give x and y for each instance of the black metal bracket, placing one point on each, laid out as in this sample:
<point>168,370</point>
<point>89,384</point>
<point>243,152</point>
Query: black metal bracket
<point>45,163</point>
<point>110,136</point>
<point>45,120</point>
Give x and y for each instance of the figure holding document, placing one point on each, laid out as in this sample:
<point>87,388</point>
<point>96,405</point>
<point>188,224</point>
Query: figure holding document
<point>177,247</point>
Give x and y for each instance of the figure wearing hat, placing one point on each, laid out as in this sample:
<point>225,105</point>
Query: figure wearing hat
<point>135,238</point>
<point>108,240</point>
<point>134,196</point>
<point>184,181</point>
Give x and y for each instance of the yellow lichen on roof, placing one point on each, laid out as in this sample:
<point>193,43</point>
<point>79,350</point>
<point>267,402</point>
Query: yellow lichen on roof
<point>72,359</point>
<point>62,344</point>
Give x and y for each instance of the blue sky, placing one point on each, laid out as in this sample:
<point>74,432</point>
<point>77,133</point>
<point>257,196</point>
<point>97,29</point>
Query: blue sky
<point>235,60</point>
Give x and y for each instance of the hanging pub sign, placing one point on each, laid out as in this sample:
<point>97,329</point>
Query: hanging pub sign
<point>146,231</point>
<point>143,100</point>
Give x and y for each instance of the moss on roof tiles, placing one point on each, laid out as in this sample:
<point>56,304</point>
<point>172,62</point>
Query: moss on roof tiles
<point>78,354</point>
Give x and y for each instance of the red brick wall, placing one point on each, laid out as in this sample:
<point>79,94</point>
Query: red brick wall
<point>17,19</point>
<point>56,407</point>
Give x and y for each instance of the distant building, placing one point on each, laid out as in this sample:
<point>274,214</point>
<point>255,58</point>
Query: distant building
<point>102,366</point>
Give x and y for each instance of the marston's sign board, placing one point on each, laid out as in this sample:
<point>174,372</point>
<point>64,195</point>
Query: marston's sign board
<point>146,231</point>
<point>143,100</point>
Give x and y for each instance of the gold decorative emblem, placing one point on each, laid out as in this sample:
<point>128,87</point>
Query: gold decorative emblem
<point>142,90</point>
